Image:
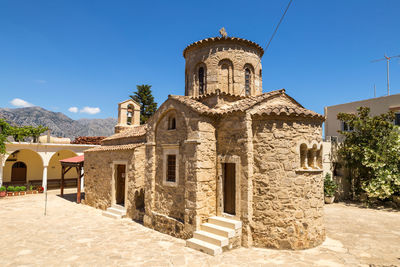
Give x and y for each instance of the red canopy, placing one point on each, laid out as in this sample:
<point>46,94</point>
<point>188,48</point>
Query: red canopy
<point>77,159</point>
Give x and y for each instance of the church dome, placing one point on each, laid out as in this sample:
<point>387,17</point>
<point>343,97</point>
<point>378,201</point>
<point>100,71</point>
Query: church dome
<point>226,64</point>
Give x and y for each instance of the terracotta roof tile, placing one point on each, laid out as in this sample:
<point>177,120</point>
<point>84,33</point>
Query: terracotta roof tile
<point>113,148</point>
<point>219,39</point>
<point>245,104</point>
<point>131,132</point>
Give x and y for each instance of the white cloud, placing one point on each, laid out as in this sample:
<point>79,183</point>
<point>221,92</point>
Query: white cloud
<point>40,81</point>
<point>73,109</point>
<point>18,102</point>
<point>90,110</point>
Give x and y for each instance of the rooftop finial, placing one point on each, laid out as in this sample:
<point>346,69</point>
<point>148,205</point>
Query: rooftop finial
<point>223,32</point>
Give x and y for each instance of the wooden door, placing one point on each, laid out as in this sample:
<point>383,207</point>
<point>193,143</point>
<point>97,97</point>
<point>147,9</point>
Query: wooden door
<point>120,185</point>
<point>18,173</point>
<point>229,188</point>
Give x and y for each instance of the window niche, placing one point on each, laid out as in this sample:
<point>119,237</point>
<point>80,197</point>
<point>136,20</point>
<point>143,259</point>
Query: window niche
<point>248,79</point>
<point>170,165</point>
<point>310,158</point>
<point>171,122</point>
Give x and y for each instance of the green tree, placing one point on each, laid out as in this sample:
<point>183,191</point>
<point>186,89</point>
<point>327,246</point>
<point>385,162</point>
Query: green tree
<point>5,131</point>
<point>371,152</point>
<point>145,98</point>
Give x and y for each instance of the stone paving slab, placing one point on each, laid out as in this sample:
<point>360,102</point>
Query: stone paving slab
<point>78,235</point>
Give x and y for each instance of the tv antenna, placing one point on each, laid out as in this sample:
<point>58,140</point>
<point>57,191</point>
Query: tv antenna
<point>387,68</point>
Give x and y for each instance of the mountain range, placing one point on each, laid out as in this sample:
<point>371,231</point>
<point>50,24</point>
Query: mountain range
<point>59,124</point>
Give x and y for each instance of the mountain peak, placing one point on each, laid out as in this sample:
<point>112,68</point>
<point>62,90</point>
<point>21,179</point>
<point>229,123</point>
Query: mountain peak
<point>60,124</point>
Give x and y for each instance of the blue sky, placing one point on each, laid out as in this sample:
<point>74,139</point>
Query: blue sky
<point>62,54</point>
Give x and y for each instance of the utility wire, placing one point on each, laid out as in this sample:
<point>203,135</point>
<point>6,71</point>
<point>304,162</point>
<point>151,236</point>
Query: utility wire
<point>273,35</point>
<point>277,26</point>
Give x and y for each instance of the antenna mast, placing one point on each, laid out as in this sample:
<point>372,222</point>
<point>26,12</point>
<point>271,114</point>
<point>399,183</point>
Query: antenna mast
<point>387,68</point>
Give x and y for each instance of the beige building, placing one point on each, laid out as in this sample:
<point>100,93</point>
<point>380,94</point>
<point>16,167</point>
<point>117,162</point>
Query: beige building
<point>223,166</point>
<point>378,105</point>
<point>38,163</point>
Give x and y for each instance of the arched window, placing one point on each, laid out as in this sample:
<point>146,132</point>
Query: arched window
<point>129,113</point>
<point>303,156</point>
<point>171,123</point>
<point>247,81</point>
<point>201,81</point>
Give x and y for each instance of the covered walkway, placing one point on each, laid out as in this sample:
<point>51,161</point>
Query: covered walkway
<point>38,164</point>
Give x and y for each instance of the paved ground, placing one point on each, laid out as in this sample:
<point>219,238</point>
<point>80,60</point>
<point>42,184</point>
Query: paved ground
<point>78,235</point>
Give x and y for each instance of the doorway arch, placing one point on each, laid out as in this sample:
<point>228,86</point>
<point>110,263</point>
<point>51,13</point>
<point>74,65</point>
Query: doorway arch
<point>18,172</point>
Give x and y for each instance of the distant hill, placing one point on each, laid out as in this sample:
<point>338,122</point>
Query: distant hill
<point>59,124</point>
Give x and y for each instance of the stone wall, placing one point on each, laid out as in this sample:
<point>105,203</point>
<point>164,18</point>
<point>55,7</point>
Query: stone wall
<point>98,179</point>
<point>224,64</point>
<point>288,203</point>
<point>234,145</point>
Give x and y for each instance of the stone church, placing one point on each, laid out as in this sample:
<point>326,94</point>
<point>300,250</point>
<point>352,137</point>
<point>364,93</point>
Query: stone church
<point>223,166</point>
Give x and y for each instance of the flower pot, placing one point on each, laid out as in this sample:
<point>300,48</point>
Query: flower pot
<point>34,192</point>
<point>3,193</point>
<point>40,192</point>
<point>329,200</point>
<point>22,193</point>
<point>10,194</point>
<point>16,193</point>
<point>29,192</point>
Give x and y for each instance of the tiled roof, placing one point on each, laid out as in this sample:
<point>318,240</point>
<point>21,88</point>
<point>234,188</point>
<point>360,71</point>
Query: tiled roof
<point>219,39</point>
<point>113,148</point>
<point>285,110</point>
<point>131,132</point>
<point>245,104</point>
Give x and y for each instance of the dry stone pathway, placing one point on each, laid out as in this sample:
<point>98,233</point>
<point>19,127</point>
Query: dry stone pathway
<point>78,235</point>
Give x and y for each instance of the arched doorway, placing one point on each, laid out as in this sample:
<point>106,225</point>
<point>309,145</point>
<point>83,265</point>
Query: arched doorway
<point>18,172</point>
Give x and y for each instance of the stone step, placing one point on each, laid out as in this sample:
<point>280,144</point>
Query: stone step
<point>119,207</point>
<point>203,246</point>
<point>211,238</point>
<point>117,211</point>
<point>225,222</point>
<point>112,215</point>
<point>218,230</point>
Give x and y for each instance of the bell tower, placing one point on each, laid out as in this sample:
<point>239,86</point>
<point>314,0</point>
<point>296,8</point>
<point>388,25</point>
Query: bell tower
<point>128,115</point>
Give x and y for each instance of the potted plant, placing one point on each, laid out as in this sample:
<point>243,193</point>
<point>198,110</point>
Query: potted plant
<point>3,192</point>
<point>40,189</point>
<point>10,190</point>
<point>16,190</point>
<point>22,190</point>
<point>329,189</point>
<point>30,191</point>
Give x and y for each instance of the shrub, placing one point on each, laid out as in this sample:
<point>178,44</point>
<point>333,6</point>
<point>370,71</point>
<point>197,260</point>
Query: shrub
<point>371,152</point>
<point>329,186</point>
<point>17,189</point>
<point>31,187</point>
<point>2,189</point>
<point>22,188</point>
<point>10,188</point>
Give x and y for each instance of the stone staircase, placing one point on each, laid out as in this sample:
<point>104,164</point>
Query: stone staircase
<point>214,235</point>
<point>115,212</point>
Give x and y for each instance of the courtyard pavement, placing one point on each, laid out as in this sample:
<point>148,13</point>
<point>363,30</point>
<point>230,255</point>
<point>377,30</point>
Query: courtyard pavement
<point>78,235</point>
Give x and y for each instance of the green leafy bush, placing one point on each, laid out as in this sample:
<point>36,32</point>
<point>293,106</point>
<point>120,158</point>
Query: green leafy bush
<point>371,152</point>
<point>17,189</point>
<point>31,187</point>
<point>329,186</point>
<point>22,188</point>
<point>2,189</point>
<point>10,188</point>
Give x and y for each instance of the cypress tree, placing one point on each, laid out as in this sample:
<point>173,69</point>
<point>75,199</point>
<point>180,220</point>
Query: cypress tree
<point>145,98</point>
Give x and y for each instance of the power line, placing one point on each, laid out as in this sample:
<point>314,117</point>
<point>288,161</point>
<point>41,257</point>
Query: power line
<point>277,26</point>
<point>273,35</point>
